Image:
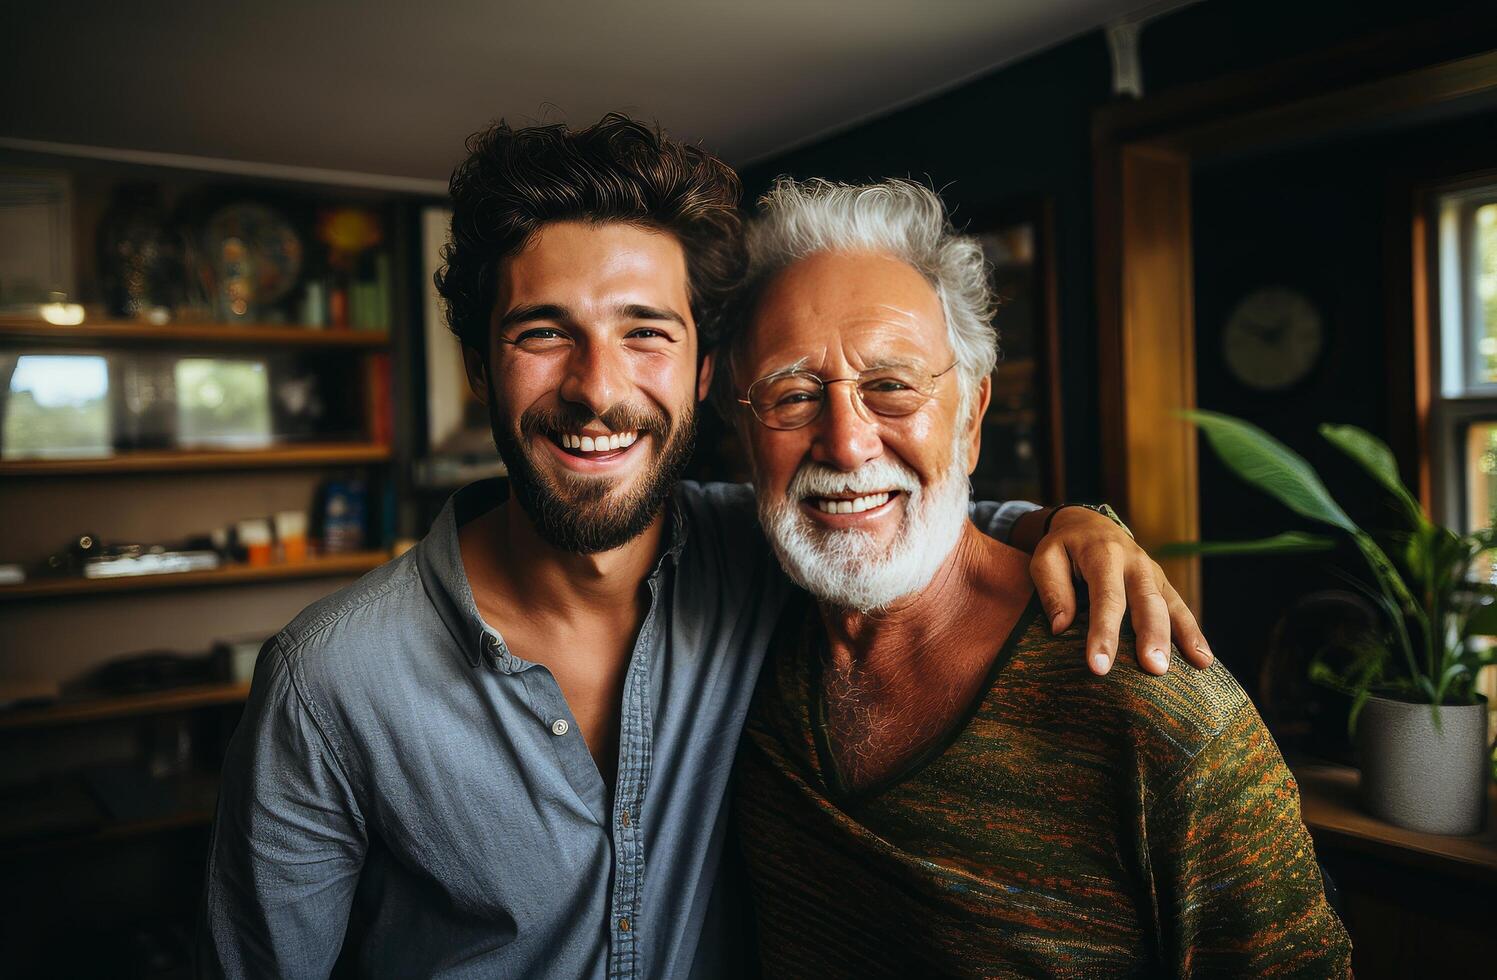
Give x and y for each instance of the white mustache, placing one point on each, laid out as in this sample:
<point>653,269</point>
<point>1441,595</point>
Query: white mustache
<point>820,480</point>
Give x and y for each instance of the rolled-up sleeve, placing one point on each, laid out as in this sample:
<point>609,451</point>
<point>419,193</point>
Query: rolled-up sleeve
<point>996,520</point>
<point>288,841</point>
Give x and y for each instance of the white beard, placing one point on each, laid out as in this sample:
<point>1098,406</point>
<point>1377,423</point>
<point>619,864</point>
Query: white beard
<point>849,568</point>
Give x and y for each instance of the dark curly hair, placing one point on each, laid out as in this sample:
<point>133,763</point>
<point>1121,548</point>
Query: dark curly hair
<point>517,180</point>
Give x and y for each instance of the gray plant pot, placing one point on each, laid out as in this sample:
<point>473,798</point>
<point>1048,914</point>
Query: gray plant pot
<point>1420,778</point>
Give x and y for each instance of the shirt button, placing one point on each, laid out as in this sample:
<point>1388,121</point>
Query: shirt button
<point>624,819</point>
<point>623,925</point>
<point>560,727</point>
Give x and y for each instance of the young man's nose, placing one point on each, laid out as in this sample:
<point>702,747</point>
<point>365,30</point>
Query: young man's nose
<point>595,378</point>
<point>847,433</point>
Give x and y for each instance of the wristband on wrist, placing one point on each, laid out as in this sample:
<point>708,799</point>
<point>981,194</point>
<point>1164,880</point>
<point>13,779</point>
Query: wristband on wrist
<point>1102,509</point>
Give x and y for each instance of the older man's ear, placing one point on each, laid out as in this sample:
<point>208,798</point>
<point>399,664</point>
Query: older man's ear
<point>974,422</point>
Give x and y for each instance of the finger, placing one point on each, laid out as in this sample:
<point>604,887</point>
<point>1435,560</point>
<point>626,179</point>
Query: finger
<point>1151,620</point>
<point>1185,631</point>
<point>1050,568</point>
<point>1107,607</point>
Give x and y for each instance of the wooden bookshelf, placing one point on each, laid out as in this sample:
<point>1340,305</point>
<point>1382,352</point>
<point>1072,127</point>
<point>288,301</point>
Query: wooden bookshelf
<point>225,334</point>
<point>177,461</point>
<point>71,712</point>
<point>319,566</point>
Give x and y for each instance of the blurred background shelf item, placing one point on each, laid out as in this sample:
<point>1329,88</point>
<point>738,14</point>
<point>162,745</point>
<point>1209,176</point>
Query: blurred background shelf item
<point>129,331</point>
<point>318,566</point>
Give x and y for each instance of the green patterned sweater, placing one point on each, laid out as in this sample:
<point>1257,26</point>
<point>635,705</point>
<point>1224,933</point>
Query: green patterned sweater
<point>1071,826</point>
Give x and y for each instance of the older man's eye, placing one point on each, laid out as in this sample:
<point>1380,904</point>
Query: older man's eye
<point>885,385</point>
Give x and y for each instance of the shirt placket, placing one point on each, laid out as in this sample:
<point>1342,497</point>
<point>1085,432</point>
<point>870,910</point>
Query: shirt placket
<point>636,748</point>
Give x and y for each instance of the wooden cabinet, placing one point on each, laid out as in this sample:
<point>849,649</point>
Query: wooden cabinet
<point>1416,905</point>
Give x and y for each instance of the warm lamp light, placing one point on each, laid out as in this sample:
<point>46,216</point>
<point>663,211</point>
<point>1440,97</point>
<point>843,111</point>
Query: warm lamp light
<point>62,314</point>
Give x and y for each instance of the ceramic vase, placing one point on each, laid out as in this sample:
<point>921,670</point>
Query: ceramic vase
<point>1418,776</point>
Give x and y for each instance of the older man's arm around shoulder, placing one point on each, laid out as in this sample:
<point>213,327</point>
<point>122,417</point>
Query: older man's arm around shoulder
<point>288,842</point>
<point>1238,887</point>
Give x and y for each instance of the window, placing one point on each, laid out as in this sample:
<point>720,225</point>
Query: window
<point>1465,414</point>
<point>1464,428</point>
<point>57,406</point>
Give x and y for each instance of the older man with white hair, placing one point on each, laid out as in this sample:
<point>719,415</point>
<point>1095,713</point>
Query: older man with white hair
<point>931,783</point>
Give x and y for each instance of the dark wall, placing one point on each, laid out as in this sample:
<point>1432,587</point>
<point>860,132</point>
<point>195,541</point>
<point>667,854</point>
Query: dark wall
<point>1214,38</point>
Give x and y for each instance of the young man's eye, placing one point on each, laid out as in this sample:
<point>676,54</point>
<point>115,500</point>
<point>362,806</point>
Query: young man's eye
<point>541,339</point>
<point>648,333</point>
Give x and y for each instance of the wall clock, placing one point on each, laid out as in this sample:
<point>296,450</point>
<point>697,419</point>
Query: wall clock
<point>1273,338</point>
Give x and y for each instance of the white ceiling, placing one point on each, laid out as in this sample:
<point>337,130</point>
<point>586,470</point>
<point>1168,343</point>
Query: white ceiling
<point>393,88</point>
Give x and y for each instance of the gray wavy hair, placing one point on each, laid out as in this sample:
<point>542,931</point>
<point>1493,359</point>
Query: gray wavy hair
<point>798,219</point>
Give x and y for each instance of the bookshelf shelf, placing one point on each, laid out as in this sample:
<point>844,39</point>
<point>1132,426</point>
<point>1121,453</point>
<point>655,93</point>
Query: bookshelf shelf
<point>124,706</point>
<point>174,461</point>
<point>216,334</point>
<point>322,566</point>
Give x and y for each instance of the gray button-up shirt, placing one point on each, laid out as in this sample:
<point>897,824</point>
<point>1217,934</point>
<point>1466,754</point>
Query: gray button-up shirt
<point>403,781</point>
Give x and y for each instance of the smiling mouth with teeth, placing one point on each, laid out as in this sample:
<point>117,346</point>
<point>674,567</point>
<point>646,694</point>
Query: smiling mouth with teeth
<point>579,445</point>
<point>852,505</point>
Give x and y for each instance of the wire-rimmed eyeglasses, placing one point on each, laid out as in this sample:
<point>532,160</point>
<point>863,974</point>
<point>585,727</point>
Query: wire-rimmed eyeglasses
<point>791,399</point>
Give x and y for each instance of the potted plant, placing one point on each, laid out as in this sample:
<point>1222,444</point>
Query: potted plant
<point>1419,723</point>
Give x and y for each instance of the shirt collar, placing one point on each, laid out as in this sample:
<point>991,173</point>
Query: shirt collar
<point>439,561</point>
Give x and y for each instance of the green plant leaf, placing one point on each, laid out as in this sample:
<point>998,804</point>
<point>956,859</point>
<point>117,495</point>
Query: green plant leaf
<point>1358,702</point>
<point>1394,598</point>
<point>1266,463</point>
<point>1453,673</point>
<point>1374,456</point>
<point>1288,543</point>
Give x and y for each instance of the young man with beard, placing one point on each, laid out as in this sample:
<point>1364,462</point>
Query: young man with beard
<point>507,752</point>
<point>930,783</point>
